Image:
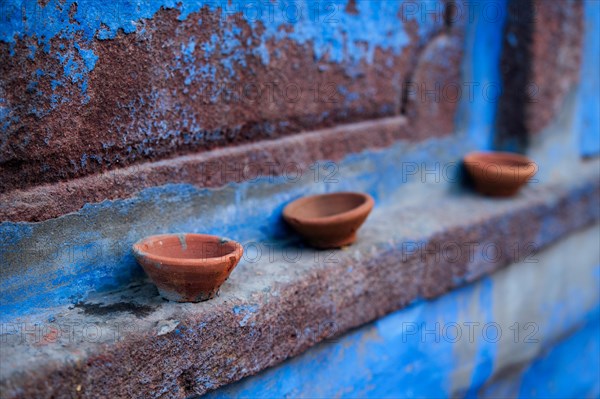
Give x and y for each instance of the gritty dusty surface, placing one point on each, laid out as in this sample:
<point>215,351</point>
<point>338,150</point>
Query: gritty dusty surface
<point>133,343</point>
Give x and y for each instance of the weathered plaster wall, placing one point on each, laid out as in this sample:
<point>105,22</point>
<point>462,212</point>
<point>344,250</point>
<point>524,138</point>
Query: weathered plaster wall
<point>88,86</point>
<point>152,95</point>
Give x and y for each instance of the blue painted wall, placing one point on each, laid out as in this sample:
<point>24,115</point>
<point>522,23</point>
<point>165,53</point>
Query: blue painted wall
<point>550,376</point>
<point>483,47</point>
<point>588,122</point>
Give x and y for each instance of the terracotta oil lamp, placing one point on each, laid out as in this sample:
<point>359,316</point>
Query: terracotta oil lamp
<point>329,220</point>
<point>499,174</point>
<point>187,267</point>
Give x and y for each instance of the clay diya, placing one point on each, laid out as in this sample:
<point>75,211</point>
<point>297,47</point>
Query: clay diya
<point>499,174</point>
<point>329,220</point>
<point>187,267</point>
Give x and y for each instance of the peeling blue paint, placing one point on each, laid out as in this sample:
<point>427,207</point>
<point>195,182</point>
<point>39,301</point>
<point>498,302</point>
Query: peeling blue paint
<point>333,33</point>
<point>247,311</point>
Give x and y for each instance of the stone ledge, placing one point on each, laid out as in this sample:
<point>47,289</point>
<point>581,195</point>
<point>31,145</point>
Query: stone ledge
<point>208,169</point>
<point>131,343</point>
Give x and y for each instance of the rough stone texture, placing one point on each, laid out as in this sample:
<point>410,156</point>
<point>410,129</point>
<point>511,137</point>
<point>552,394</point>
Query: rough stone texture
<point>540,65</point>
<point>81,104</point>
<point>208,169</point>
<point>434,91</point>
<point>556,58</point>
<point>275,309</point>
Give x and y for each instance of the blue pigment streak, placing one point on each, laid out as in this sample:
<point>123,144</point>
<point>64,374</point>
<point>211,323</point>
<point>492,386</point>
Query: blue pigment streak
<point>588,113</point>
<point>483,50</point>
